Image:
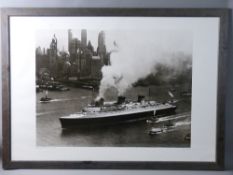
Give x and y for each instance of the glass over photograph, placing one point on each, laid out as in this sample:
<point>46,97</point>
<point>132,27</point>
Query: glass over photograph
<point>113,88</point>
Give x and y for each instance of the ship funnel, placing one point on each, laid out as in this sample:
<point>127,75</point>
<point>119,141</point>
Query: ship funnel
<point>99,102</point>
<point>140,98</point>
<point>120,100</point>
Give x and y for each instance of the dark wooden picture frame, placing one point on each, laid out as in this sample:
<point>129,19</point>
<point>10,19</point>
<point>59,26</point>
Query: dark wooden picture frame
<point>8,163</point>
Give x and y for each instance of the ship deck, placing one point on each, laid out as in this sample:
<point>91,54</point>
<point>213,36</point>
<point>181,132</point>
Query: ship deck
<point>120,112</point>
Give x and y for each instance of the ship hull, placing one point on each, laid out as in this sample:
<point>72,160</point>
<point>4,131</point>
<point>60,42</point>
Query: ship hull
<point>113,120</point>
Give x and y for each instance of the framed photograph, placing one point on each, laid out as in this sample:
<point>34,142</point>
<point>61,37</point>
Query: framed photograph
<point>114,88</point>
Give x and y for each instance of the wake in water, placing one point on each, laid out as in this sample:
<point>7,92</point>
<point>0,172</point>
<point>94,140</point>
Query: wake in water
<point>170,123</point>
<point>65,99</point>
<point>173,117</point>
<point>183,123</point>
<point>44,113</point>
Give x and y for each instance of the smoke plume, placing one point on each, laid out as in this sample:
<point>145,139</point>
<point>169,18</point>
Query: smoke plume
<point>137,54</point>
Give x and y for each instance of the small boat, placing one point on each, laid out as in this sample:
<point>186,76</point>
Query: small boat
<point>166,128</point>
<point>64,89</point>
<point>45,99</point>
<point>155,131</point>
<point>54,86</point>
<point>155,118</point>
<point>87,87</point>
<point>151,121</point>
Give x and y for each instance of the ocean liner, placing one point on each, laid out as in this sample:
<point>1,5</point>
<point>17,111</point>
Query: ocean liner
<point>116,112</point>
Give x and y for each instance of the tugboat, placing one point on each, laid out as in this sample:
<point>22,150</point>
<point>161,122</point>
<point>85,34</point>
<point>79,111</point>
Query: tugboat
<point>156,131</point>
<point>116,112</point>
<point>45,99</point>
<point>166,128</point>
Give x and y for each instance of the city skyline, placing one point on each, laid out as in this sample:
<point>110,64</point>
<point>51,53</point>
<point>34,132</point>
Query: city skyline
<point>169,41</point>
<point>82,62</point>
<point>45,37</point>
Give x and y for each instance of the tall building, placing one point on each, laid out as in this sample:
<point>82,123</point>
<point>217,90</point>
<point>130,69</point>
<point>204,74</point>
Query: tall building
<point>53,56</point>
<point>101,50</point>
<point>39,51</point>
<point>74,45</point>
<point>69,39</point>
<point>101,41</point>
<point>96,66</point>
<point>84,37</point>
<point>90,47</point>
<point>82,62</point>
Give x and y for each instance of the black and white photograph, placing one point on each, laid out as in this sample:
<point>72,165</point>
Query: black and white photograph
<point>119,88</point>
<point>113,88</point>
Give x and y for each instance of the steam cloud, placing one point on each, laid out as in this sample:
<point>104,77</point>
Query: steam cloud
<point>137,55</point>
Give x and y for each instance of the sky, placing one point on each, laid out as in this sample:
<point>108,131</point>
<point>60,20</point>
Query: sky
<point>44,37</point>
<point>172,40</point>
<point>172,32</point>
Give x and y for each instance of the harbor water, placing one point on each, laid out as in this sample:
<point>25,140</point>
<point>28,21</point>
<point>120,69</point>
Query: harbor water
<point>135,134</point>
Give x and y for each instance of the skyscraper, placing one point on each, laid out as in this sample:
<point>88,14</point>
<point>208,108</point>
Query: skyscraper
<point>90,47</point>
<point>101,40</point>
<point>101,50</point>
<point>101,44</point>
<point>70,37</point>
<point>84,37</point>
<point>53,56</point>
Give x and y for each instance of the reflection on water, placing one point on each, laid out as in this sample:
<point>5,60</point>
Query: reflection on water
<point>49,132</point>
